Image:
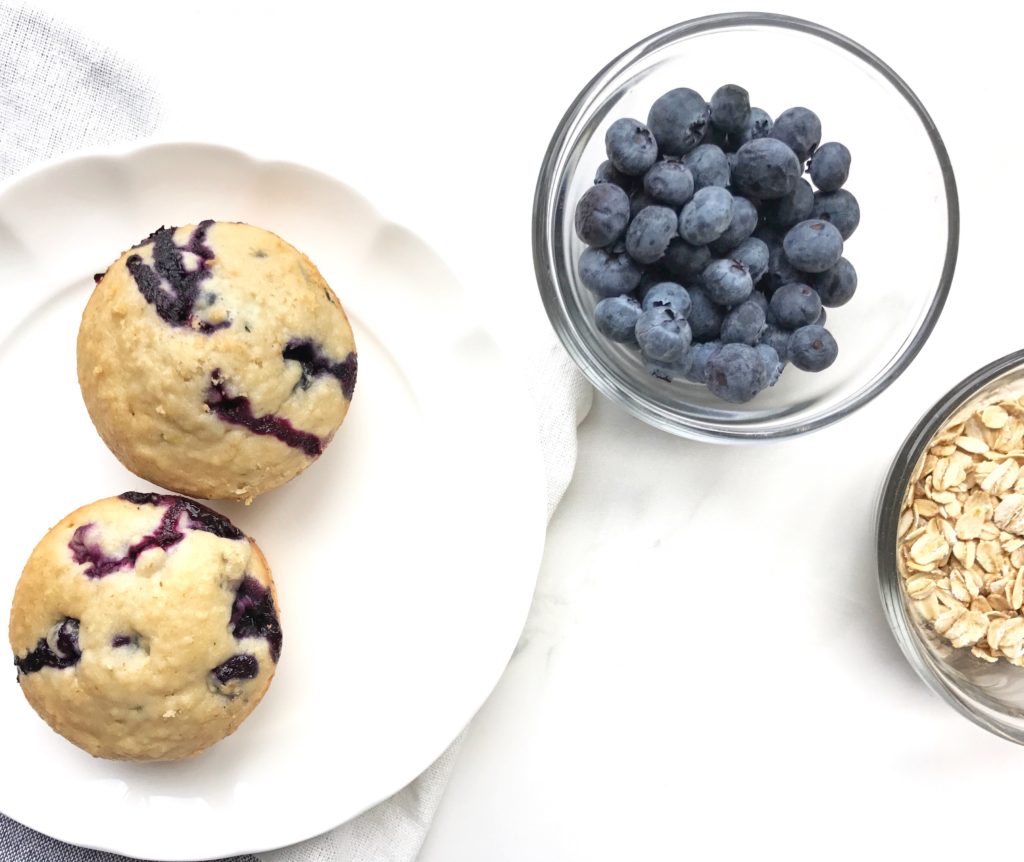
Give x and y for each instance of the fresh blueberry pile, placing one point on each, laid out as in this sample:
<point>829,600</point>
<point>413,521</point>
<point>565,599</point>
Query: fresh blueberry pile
<point>709,251</point>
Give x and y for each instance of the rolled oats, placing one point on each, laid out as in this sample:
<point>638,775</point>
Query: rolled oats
<point>920,588</point>
<point>1009,514</point>
<point>994,417</point>
<point>983,654</point>
<point>969,628</point>
<point>960,535</point>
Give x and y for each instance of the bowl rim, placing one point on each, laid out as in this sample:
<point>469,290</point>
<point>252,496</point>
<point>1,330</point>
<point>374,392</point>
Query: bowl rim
<point>545,267</point>
<point>887,515</point>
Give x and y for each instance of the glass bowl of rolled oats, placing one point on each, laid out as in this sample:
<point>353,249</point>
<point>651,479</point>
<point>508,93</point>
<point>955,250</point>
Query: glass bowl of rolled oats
<point>951,547</point>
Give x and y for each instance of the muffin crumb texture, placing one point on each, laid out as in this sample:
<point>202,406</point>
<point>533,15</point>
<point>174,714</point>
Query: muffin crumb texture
<point>215,360</point>
<point>145,627</point>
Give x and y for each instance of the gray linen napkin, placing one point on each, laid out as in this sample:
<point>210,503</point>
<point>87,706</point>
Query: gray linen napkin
<point>60,92</point>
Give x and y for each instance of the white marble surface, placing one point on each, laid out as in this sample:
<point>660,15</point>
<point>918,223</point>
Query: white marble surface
<point>706,668</point>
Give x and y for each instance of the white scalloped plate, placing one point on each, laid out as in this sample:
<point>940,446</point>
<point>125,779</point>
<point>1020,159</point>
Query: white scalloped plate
<point>405,557</point>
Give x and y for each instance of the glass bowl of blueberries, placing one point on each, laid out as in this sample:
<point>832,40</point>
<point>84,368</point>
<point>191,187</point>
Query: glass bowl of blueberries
<point>739,250</point>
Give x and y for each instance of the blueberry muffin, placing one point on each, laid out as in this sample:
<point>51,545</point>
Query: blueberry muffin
<point>215,361</point>
<point>145,627</point>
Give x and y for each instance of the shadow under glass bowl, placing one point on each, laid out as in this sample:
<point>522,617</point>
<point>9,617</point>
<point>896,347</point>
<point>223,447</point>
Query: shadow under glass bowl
<point>904,250</point>
<point>989,694</point>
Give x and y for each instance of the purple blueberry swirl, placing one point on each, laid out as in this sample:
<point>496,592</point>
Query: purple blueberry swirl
<point>253,615</point>
<point>167,285</point>
<point>315,363</point>
<point>167,534</point>
<point>237,410</point>
<point>59,651</point>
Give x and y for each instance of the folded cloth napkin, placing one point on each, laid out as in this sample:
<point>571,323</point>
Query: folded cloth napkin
<point>60,92</point>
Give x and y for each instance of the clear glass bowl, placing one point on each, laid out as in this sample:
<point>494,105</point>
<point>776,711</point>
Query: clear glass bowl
<point>989,694</point>
<point>904,250</point>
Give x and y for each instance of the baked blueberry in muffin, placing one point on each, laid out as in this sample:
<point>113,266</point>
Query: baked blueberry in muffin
<point>145,627</point>
<point>215,360</point>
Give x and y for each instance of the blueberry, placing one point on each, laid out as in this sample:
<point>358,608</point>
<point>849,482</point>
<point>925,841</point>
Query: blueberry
<point>822,318</point>
<point>795,305</point>
<point>838,207</point>
<point>813,245</point>
<point>662,337</point>
<point>778,339</point>
<point>314,363</point>
<point>616,317</point>
<point>670,182</point>
<point>708,165</point>
<point>791,208</point>
<point>602,214</point>
<point>743,324</point>
<point>714,135</point>
<point>758,126</point>
<point>650,233</point>
<point>630,146</point>
<point>799,129</point>
<point>59,649</point>
<point>639,200</point>
<point>765,168</point>
<point>730,109</point>
<point>608,173</point>
<point>727,282</point>
<point>771,362</point>
<point>65,639</point>
<point>167,284</point>
<point>608,274</point>
<point>651,276</point>
<point>685,262</point>
<point>678,121</point>
<point>698,357</point>
<point>744,220</point>
<point>780,271</point>
<point>753,254</point>
<point>253,615</point>
<point>705,316</point>
<point>736,373</point>
<point>837,285</point>
<point>830,166</point>
<point>768,233</point>
<point>706,216</point>
<point>812,348</point>
<point>241,666</point>
<point>667,294</point>
<point>759,299</point>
